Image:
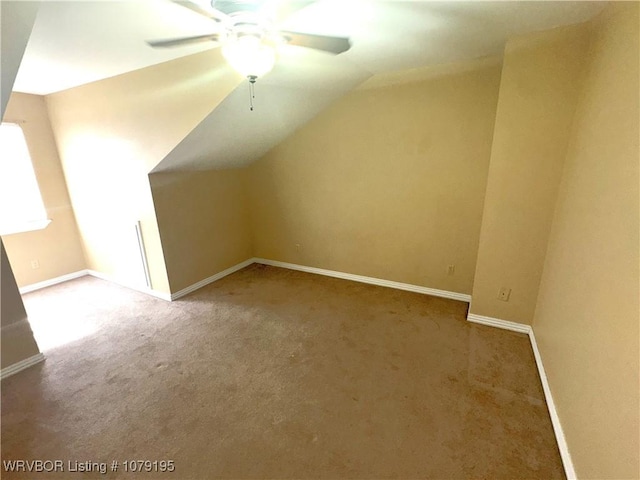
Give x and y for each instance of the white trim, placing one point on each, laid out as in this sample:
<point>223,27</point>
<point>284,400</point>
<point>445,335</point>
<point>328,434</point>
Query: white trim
<point>211,279</point>
<point>53,281</point>
<point>274,263</point>
<point>320,271</point>
<point>21,365</point>
<point>496,322</point>
<point>555,419</point>
<point>143,254</point>
<point>148,291</point>
<point>370,280</point>
<point>81,273</point>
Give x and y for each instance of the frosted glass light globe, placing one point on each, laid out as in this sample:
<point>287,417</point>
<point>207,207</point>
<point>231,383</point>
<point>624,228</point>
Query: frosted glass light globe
<point>249,56</point>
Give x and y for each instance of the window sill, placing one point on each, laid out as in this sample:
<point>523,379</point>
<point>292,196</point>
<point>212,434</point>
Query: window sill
<point>25,227</point>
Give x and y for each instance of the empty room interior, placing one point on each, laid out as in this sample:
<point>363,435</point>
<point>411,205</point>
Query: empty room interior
<point>320,239</point>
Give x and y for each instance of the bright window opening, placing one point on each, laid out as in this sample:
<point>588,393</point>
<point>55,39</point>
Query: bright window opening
<point>21,206</point>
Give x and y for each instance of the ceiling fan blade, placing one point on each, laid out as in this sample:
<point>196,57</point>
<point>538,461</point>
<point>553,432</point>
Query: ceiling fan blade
<point>176,42</point>
<point>209,13</point>
<point>319,42</point>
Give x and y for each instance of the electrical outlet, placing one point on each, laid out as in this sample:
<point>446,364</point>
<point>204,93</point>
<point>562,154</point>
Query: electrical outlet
<point>451,270</point>
<point>35,264</point>
<point>504,293</point>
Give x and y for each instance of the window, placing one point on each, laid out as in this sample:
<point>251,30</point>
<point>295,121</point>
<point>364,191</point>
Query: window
<point>21,207</point>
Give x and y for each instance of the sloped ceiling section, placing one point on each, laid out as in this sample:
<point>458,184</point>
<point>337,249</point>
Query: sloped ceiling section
<point>395,35</point>
<point>16,23</point>
<point>301,85</point>
<point>77,42</point>
<point>387,36</point>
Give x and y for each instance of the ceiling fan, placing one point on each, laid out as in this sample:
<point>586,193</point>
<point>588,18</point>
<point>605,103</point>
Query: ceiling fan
<point>248,34</point>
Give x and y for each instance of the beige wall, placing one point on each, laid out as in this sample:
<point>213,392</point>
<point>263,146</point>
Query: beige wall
<point>541,78</point>
<point>57,248</point>
<point>587,317</point>
<point>110,134</point>
<point>387,183</point>
<point>204,223</point>
<point>17,339</point>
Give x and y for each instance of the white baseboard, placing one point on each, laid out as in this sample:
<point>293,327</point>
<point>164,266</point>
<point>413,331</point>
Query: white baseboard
<point>555,420</point>
<point>148,291</point>
<point>211,279</point>
<point>53,281</point>
<point>81,273</point>
<point>291,266</point>
<point>320,271</point>
<point>370,280</point>
<point>164,296</point>
<point>496,322</point>
<point>21,365</point>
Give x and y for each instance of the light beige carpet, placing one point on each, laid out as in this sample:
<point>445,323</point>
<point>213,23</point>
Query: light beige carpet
<point>270,373</point>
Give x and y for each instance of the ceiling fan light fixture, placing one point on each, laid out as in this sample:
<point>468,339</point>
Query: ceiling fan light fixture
<point>249,55</point>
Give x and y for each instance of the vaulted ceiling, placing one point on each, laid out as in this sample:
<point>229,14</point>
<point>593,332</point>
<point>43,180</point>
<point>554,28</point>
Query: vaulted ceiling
<point>77,42</point>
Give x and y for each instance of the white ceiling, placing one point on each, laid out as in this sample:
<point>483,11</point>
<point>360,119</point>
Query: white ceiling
<point>77,42</point>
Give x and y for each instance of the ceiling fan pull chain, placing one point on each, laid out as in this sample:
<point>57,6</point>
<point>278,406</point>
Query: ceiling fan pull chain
<point>252,95</point>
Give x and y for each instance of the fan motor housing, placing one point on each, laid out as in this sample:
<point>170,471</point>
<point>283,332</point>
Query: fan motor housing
<point>230,7</point>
